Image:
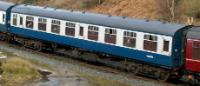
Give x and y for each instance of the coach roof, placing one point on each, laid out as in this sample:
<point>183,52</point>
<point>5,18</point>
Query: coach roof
<point>155,27</point>
<point>5,5</point>
<point>194,32</point>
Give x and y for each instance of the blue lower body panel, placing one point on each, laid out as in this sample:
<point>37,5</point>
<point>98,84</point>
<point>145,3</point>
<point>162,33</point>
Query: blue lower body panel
<point>3,28</point>
<point>158,60</point>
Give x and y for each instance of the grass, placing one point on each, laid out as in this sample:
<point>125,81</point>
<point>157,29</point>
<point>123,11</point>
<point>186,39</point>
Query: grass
<point>43,65</point>
<point>33,61</point>
<point>17,71</point>
<point>99,81</point>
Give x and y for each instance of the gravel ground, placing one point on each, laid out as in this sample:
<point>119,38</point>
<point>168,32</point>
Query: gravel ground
<point>66,66</point>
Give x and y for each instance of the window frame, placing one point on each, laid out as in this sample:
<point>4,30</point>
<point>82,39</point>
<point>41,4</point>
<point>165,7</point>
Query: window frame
<point>14,19</point>
<point>168,46</point>
<point>21,23</point>
<point>150,38</point>
<point>57,23</point>
<point>71,26</point>
<point>93,28</point>
<point>42,20</point>
<point>110,36</point>
<point>93,32</point>
<point>130,35</point>
<point>195,45</point>
<point>3,18</point>
<point>81,31</point>
<point>30,19</point>
<point>111,31</point>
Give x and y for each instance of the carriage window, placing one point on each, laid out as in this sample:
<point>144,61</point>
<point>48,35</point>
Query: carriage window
<point>93,33</point>
<point>55,27</point>
<point>150,42</point>
<point>129,39</point>
<point>166,46</point>
<point>29,22</point>
<point>42,24</point>
<point>4,17</point>
<point>70,29</point>
<point>14,19</point>
<point>111,31</point>
<point>196,50</point>
<point>110,35</point>
<point>81,31</point>
<point>21,20</point>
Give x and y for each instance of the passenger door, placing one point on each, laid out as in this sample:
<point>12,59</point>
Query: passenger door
<point>193,55</point>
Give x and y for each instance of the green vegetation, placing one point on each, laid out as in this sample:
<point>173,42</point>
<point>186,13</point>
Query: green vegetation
<point>17,72</point>
<point>98,81</point>
<point>36,62</point>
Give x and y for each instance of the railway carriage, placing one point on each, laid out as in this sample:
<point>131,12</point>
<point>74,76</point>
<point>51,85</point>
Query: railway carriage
<point>174,48</point>
<point>147,41</point>
<point>4,9</point>
<point>193,50</point>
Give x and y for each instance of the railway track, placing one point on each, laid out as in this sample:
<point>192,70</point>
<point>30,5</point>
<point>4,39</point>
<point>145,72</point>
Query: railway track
<point>98,67</point>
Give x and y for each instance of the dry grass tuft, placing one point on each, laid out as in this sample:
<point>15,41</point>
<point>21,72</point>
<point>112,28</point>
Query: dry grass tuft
<point>16,71</point>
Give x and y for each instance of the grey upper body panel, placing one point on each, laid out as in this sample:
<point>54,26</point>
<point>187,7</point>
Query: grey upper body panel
<point>5,5</point>
<point>194,33</point>
<point>155,27</point>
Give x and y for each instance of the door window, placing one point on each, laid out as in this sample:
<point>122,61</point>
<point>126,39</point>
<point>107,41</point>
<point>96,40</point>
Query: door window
<point>81,31</point>
<point>166,46</point>
<point>21,20</point>
<point>4,17</point>
<point>14,19</point>
<point>196,50</point>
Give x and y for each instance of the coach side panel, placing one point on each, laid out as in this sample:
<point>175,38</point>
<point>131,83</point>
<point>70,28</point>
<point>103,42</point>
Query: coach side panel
<point>151,48</point>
